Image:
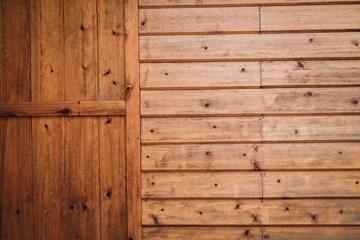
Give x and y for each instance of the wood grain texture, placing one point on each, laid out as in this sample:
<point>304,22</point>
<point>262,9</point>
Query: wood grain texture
<point>201,184</point>
<point>113,177</point>
<point>295,156</point>
<point>111,40</point>
<point>312,233</point>
<point>310,73</point>
<point>93,108</point>
<point>210,3</point>
<point>251,212</point>
<point>250,101</point>
<point>250,47</point>
<point>314,128</point>
<point>215,129</point>
<point>311,184</point>
<point>198,20</point>
<point>201,233</point>
<point>199,75</point>
<point>310,18</point>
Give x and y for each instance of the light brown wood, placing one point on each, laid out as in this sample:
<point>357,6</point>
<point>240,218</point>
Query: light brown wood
<point>251,212</point>
<point>312,233</point>
<point>250,101</point>
<point>311,184</point>
<point>250,47</point>
<point>293,156</point>
<point>91,108</point>
<point>215,129</point>
<point>199,75</point>
<point>201,184</point>
<point>310,73</point>
<point>198,20</point>
<point>201,233</point>
<point>133,167</point>
<point>311,128</point>
<point>111,40</point>
<point>310,18</point>
<point>113,177</point>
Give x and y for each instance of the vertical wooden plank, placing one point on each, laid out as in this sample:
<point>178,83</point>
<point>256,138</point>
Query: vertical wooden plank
<point>113,178</point>
<point>83,177</point>
<point>111,49</point>
<point>132,119</point>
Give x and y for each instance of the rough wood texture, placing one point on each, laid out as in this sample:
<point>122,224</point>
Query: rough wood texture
<point>250,101</point>
<point>193,185</point>
<point>308,18</point>
<point>251,212</point>
<point>293,156</point>
<point>250,46</point>
<point>199,75</point>
<point>216,129</point>
<point>198,20</point>
<point>310,73</point>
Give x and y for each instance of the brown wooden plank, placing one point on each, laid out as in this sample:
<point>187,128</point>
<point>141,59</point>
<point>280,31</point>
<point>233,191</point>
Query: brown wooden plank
<point>201,184</point>
<point>20,109</point>
<point>319,156</point>
<point>193,3</point>
<point>310,73</point>
<point>311,128</point>
<point>250,101</point>
<point>83,177</point>
<point>111,49</point>
<point>113,177</point>
<point>50,178</point>
<point>250,47</point>
<point>16,179</point>
<point>199,75</point>
<point>251,212</point>
<point>311,184</point>
<point>198,20</point>
<point>91,108</point>
<point>215,129</point>
<point>133,167</point>
<point>310,18</point>
<point>201,233</point>
<point>312,233</point>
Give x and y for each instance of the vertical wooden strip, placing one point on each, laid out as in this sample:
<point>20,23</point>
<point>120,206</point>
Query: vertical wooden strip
<point>132,120</point>
<point>113,178</point>
<point>111,49</point>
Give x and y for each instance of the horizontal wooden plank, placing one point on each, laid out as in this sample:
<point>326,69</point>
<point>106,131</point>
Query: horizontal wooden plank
<point>310,73</point>
<point>250,47</point>
<point>193,3</point>
<point>251,212</point>
<point>71,108</point>
<point>250,101</point>
<point>215,129</point>
<point>309,18</point>
<point>201,233</point>
<point>312,233</point>
<point>312,184</point>
<point>311,128</point>
<point>198,20</point>
<point>199,75</point>
<point>201,184</point>
<point>318,156</point>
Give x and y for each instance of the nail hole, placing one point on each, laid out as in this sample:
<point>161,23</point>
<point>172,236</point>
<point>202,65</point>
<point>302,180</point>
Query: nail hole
<point>142,23</point>
<point>341,211</point>
<point>166,74</point>
<point>46,126</point>
<point>108,121</point>
<point>108,194</point>
<point>162,209</point>
<point>246,232</point>
<point>152,130</point>
<point>205,48</point>
<point>71,207</point>
<point>309,94</point>
<point>152,183</point>
<point>214,126</point>
<point>147,156</point>
<point>355,102</point>
<point>300,64</point>
<point>17,212</point>
<point>200,213</point>
<point>244,154</point>
<point>243,69</point>
<point>207,153</point>
<point>114,82</point>
<point>357,182</point>
<point>278,180</point>
<point>215,184</point>
<point>311,40</point>
<point>85,207</point>
<point>340,152</point>
<point>207,105</point>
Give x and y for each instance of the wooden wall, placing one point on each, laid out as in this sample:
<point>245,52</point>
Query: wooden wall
<point>62,177</point>
<point>250,123</point>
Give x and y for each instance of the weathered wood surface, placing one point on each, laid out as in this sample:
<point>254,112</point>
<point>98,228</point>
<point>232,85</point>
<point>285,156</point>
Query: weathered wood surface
<point>199,75</point>
<point>291,156</point>
<point>311,184</point>
<point>201,184</point>
<point>251,212</point>
<point>216,129</point>
<point>250,47</point>
<point>198,20</point>
<point>250,101</point>
<point>310,73</point>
